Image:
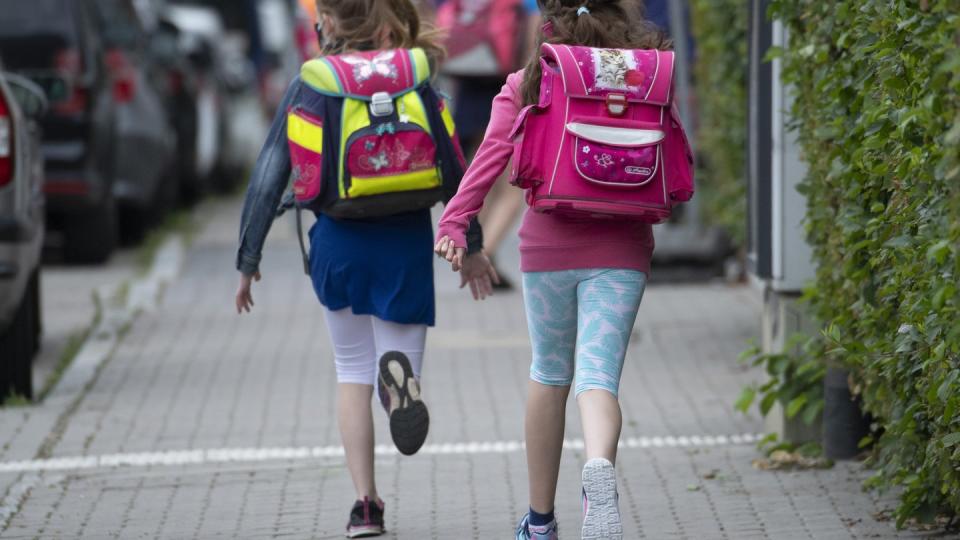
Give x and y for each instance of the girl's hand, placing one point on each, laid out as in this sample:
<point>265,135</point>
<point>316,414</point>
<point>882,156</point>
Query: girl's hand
<point>244,298</point>
<point>446,249</point>
<point>478,271</point>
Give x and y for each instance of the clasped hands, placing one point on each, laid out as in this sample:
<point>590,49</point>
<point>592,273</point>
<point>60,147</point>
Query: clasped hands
<point>475,269</point>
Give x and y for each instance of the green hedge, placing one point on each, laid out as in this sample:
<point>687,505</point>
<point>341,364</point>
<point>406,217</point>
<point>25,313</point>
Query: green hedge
<point>720,30</point>
<point>878,115</point>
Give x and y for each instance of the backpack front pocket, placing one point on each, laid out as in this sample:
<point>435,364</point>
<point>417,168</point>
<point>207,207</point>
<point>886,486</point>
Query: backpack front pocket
<point>627,157</point>
<point>390,158</point>
<point>305,136</point>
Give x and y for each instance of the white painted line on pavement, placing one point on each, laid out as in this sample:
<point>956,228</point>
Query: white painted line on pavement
<point>232,455</point>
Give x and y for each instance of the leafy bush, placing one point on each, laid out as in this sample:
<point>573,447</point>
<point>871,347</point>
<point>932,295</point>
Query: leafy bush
<point>720,30</point>
<point>794,379</point>
<point>878,116</point>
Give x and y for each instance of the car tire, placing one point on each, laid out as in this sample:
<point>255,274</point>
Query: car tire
<point>36,307</point>
<point>91,237</point>
<point>134,223</point>
<point>16,377</point>
<point>36,294</point>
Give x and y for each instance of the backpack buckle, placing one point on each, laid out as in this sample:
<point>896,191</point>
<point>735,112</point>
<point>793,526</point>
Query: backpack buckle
<point>381,104</point>
<point>616,104</point>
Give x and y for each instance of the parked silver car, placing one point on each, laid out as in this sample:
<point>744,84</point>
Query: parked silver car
<point>22,104</point>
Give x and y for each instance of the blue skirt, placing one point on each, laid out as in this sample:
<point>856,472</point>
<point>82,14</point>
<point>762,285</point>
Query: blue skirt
<point>379,267</point>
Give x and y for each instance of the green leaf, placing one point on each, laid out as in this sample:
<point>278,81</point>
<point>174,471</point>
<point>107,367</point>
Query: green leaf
<point>939,251</point>
<point>796,404</point>
<point>812,412</point>
<point>746,398</point>
<point>773,52</point>
<point>767,403</point>
<point>951,439</point>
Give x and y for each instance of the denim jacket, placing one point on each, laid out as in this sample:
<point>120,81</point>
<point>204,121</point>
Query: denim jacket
<point>269,179</point>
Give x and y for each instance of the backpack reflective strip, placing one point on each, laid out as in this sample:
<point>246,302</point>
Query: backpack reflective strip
<point>448,119</point>
<point>305,133</point>
<point>377,185</point>
<point>353,119</point>
<point>411,106</point>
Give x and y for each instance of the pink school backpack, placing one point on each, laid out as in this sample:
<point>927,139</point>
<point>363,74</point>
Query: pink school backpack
<point>484,36</point>
<point>604,139</point>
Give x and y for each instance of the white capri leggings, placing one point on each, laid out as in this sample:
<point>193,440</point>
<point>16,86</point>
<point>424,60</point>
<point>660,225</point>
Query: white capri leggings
<point>360,340</point>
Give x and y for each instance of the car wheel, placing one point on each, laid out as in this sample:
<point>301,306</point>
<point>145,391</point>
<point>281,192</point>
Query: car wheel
<point>36,310</point>
<point>134,223</point>
<point>91,237</point>
<point>16,378</point>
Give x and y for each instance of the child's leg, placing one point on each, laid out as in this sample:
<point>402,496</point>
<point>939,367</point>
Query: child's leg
<point>544,426</point>
<point>608,302</point>
<point>410,339</point>
<point>551,305</point>
<point>400,349</point>
<point>356,360</point>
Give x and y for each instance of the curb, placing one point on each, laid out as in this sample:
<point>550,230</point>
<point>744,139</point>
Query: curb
<point>143,295</point>
<point>120,305</point>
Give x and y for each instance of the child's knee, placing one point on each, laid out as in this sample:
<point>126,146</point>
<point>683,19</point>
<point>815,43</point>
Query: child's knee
<point>543,373</point>
<point>595,379</point>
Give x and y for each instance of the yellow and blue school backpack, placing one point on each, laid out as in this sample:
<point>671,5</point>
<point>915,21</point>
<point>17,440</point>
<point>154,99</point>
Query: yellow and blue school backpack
<point>371,137</point>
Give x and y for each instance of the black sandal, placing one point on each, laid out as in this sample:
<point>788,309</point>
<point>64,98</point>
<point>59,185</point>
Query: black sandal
<point>400,395</point>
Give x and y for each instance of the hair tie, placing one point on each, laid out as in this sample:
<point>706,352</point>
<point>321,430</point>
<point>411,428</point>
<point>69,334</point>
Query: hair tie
<point>547,29</point>
<point>582,10</point>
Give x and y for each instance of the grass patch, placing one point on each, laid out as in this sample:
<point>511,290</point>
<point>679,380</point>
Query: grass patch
<point>180,222</point>
<point>74,344</point>
<point>15,400</point>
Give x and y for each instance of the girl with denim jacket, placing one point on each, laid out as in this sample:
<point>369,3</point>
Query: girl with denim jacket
<point>374,276</point>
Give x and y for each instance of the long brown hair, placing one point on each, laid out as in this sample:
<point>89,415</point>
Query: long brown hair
<point>615,24</point>
<point>379,24</point>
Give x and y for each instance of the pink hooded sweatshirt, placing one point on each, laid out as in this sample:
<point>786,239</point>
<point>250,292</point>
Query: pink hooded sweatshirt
<point>547,242</point>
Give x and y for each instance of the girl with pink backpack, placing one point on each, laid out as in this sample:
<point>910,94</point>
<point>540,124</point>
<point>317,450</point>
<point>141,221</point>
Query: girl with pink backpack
<point>595,140</point>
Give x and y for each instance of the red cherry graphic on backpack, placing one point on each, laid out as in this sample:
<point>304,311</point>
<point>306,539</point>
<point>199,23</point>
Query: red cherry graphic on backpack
<point>635,77</point>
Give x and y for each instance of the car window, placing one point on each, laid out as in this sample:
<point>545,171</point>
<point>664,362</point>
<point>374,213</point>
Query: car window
<point>118,23</point>
<point>34,34</point>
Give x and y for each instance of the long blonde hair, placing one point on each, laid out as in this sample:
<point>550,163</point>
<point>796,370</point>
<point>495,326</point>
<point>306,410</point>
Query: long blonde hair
<point>379,24</point>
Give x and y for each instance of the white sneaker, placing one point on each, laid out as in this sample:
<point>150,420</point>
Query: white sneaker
<point>601,512</point>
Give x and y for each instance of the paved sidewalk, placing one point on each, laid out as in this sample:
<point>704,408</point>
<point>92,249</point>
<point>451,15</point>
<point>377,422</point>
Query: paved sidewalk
<point>209,425</point>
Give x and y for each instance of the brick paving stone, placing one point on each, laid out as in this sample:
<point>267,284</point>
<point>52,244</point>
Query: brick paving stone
<point>193,375</point>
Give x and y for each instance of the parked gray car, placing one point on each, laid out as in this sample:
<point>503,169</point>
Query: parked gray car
<point>22,104</point>
<point>144,168</point>
<point>56,44</point>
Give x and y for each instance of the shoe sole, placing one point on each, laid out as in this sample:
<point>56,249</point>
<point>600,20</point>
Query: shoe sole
<point>602,518</point>
<point>365,531</point>
<point>409,418</point>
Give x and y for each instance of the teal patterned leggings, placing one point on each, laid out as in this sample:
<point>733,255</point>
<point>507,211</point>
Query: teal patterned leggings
<point>580,323</point>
